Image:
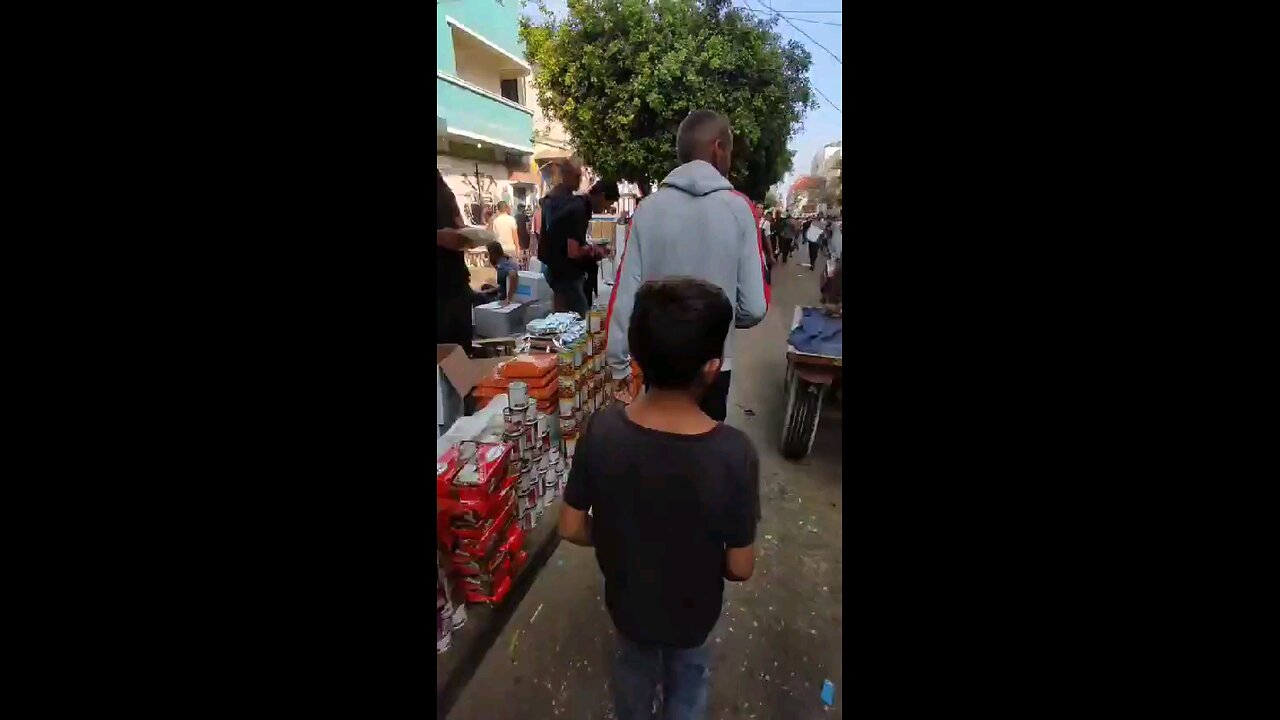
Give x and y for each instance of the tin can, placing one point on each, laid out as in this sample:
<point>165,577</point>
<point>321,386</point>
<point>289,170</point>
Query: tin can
<point>570,444</point>
<point>546,442</point>
<point>543,423</point>
<point>577,354</point>
<point>565,357</point>
<point>567,425</point>
<point>526,521</point>
<point>595,319</point>
<point>444,624</point>
<point>526,478</point>
<point>566,407</point>
<point>511,422</point>
<point>525,500</point>
<point>518,394</point>
<point>531,414</point>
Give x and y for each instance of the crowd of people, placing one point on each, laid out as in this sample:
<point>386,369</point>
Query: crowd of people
<point>819,233</point>
<point>661,487</point>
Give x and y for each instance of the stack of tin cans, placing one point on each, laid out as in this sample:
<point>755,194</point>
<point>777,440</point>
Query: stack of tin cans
<point>530,432</point>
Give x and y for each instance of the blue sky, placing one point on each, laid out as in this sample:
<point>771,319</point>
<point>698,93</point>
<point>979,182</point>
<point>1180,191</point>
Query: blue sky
<point>822,125</point>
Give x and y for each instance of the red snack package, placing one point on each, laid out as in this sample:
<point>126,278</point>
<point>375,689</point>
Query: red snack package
<point>475,481</point>
<point>483,546</point>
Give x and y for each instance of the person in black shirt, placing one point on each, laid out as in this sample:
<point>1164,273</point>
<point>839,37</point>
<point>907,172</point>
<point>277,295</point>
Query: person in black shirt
<point>674,497</point>
<point>562,246</point>
<point>601,195</point>
<point>453,280</point>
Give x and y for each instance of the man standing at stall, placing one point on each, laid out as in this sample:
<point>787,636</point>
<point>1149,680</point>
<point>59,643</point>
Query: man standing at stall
<point>453,289</point>
<point>505,227</point>
<point>695,225</point>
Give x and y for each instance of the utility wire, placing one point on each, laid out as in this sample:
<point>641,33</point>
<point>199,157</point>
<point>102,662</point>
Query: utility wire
<point>788,20</point>
<point>812,86</point>
<point>819,22</point>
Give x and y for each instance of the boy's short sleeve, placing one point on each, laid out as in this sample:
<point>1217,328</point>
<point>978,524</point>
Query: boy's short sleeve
<point>742,511</point>
<point>577,490</point>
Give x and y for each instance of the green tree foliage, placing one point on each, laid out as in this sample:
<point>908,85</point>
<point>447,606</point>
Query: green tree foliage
<point>620,75</point>
<point>771,199</point>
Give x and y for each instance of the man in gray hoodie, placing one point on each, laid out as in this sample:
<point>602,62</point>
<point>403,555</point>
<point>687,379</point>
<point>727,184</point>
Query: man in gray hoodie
<point>695,225</point>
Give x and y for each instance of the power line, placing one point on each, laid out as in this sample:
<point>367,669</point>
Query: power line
<point>819,22</point>
<point>815,89</point>
<point>824,97</point>
<point>788,21</point>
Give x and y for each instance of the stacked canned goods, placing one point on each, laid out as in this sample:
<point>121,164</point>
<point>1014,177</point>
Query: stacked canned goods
<point>596,336</point>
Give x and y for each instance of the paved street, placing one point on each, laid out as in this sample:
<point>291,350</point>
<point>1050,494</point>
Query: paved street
<point>780,634</point>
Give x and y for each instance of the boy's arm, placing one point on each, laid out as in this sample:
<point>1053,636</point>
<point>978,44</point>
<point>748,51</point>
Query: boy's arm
<point>575,523</point>
<point>743,514</point>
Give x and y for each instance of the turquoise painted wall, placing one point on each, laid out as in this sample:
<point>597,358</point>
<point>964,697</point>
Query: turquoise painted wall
<point>476,113</point>
<point>497,21</point>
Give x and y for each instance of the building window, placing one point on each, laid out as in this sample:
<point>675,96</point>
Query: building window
<point>511,90</point>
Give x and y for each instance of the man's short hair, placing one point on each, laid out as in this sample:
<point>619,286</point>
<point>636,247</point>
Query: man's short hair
<point>494,247</point>
<point>698,131</point>
<point>503,206</point>
<point>607,187</point>
<point>677,325</point>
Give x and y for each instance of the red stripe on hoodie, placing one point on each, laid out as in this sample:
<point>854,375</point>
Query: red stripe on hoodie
<point>617,279</point>
<point>764,267</point>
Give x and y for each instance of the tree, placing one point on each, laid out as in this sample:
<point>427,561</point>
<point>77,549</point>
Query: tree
<point>620,75</point>
<point>771,198</point>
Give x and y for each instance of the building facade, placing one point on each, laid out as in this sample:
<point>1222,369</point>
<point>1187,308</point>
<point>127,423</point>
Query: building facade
<point>484,122</point>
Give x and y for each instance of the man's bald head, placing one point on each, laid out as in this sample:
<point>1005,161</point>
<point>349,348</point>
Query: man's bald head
<point>705,135</point>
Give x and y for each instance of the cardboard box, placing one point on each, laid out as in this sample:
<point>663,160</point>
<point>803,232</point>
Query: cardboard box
<point>536,309</point>
<point>532,286</point>
<point>499,320</point>
<point>456,374</point>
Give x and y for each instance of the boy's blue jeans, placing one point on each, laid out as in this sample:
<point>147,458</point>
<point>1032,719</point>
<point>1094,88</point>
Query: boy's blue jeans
<point>638,670</point>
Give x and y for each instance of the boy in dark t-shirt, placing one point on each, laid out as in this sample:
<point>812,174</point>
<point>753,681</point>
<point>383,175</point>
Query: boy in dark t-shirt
<point>674,497</point>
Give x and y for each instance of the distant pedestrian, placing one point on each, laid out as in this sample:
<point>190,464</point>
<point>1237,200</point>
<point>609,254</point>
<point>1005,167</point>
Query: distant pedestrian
<point>812,234</point>
<point>788,232</point>
<point>674,502</point>
<point>507,229</point>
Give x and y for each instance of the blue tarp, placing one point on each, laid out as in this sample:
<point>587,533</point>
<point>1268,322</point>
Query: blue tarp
<point>818,333</point>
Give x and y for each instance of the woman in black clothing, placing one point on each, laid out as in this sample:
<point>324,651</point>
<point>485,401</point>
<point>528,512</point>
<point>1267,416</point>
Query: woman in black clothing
<point>453,280</point>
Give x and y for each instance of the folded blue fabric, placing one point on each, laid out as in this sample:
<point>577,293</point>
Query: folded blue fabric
<point>818,333</point>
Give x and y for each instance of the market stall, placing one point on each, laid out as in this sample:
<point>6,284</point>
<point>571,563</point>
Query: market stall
<point>503,462</point>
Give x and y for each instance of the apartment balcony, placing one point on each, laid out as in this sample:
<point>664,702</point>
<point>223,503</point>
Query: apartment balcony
<point>481,78</point>
<point>473,114</point>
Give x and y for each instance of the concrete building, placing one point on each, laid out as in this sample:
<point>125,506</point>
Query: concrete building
<point>484,125</point>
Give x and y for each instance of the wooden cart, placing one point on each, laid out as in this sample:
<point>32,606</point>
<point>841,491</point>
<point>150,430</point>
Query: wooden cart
<point>810,377</point>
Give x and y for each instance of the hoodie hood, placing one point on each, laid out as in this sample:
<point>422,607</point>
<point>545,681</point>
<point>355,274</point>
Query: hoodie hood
<point>697,177</point>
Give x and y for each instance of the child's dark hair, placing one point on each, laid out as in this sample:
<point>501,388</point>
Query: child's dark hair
<point>608,188</point>
<point>494,248</point>
<point>677,325</point>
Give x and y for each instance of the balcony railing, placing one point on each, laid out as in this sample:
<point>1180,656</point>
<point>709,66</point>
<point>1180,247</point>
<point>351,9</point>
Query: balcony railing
<point>477,114</point>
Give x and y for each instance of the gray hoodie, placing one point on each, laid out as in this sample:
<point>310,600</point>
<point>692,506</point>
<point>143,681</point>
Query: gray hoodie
<point>695,225</point>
